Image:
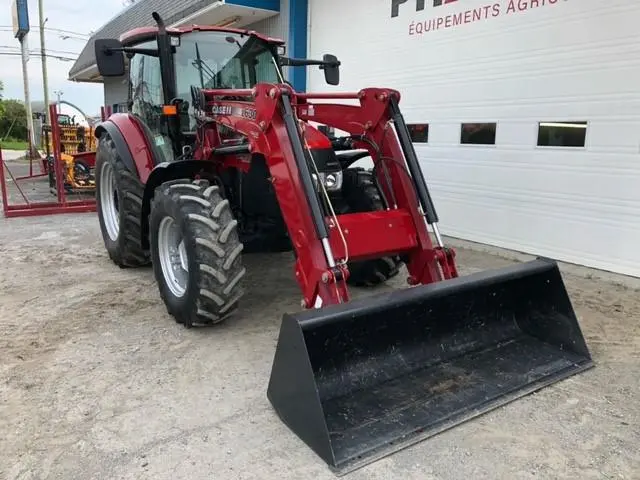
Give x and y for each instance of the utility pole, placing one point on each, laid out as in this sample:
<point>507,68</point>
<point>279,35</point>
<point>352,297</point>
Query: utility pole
<point>27,97</point>
<point>43,59</point>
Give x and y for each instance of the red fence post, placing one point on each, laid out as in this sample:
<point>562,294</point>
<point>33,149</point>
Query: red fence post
<point>3,186</point>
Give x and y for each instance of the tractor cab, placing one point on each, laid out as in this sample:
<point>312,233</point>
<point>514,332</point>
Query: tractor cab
<point>160,92</point>
<point>222,61</point>
<point>166,65</point>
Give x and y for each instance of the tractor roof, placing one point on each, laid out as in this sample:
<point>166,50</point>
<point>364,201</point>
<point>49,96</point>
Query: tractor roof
<point>145,33</point>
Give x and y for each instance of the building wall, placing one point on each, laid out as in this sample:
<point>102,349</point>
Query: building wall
<point>115,91</point>
<point>277,26</point>
<point>553,61</point>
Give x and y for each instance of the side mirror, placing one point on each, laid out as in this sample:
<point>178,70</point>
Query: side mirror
<point>109,57</point>
<point>331,69</point>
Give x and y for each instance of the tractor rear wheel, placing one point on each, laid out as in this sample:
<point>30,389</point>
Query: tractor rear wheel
<point>196,252</point>
<point>361,194</point>
<point>119,203</point>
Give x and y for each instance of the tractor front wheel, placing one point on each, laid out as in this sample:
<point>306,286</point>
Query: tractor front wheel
<point>361,194</point>
<point>196,252</point>
<point>119,203</point>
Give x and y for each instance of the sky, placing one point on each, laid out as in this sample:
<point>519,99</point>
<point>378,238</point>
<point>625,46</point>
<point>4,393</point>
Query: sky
<point>69,25</point>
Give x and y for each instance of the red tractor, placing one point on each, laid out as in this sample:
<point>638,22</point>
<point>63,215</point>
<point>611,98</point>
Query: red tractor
<point>217,158</point>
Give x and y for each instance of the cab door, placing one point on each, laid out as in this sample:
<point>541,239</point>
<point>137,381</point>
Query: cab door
<point>146,99</point>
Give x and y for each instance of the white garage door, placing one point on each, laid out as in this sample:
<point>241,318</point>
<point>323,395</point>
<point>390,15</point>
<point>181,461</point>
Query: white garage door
<point>535,71</point>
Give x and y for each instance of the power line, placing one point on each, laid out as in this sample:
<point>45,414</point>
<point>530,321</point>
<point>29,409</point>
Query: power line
<point>48,50</point>
<point>60,30</point>
<point>52,29</point>
<point>63,36</point>
<point>38,54</point>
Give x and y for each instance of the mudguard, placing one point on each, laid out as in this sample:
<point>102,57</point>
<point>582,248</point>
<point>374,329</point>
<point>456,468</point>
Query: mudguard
<point>132,142</point>
<point>165,172</point>
<point>119,141</point>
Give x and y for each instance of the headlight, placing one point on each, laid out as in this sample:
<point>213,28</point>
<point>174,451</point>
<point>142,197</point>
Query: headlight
<point>332,181</point>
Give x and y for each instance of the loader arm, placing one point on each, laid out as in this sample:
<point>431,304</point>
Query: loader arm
<point>263,122</point>
<point>375,121</point>
<point>274,125</point>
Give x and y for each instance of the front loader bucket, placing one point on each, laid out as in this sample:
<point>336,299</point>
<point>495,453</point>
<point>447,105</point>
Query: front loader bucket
<point>359,381</point>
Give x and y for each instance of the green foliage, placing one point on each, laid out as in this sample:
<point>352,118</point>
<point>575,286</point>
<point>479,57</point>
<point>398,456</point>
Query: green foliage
<point>13,119</point>
<point>12,144</point>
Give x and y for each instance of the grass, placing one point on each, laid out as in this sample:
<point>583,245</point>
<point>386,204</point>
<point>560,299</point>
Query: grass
<point>12,144</point>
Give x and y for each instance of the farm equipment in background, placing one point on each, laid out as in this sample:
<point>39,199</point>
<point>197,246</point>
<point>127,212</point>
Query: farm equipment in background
<point>77,155</point>
<point>225,162</point>
<point>77,170</point>
<point>74,137</point>
<point>24,187</point>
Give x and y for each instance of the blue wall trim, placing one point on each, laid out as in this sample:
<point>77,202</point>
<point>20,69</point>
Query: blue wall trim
<point>297,48</point>
<point>273,5</point>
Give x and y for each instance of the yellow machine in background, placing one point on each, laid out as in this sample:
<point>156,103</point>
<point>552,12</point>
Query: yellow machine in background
<point>78,172</point>
<point>77,154</point>
<point>74,138</point>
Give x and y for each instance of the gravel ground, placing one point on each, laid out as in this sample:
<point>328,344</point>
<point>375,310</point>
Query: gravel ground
<point>98,382</point>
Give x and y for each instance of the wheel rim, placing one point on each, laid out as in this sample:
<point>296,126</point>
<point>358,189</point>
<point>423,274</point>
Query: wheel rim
<point>173,256</point>
<point>109,201</point>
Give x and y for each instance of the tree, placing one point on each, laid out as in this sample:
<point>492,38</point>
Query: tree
<point>13,121</point>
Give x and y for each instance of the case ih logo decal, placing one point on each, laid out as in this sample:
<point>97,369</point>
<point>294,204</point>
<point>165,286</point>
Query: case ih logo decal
<point>451,18</point>
<point>249,113</point>
<point>221,110</point>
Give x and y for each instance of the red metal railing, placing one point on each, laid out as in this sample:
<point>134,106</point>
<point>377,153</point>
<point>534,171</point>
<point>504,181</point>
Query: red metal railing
<point>31,207</point>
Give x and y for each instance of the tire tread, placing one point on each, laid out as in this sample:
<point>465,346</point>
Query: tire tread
<point>128,251</point>
<point>217,277</point>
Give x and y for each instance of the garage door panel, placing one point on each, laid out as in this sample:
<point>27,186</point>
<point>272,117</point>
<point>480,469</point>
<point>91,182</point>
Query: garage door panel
<point>603,246</point>
<point>592,183</point>
<point>564,204</point>
<point>578,60</point>
<point>616,136</point>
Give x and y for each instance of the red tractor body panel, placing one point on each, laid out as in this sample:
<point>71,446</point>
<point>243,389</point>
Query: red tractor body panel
<point>316,140</point>
<point>138,145</point>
